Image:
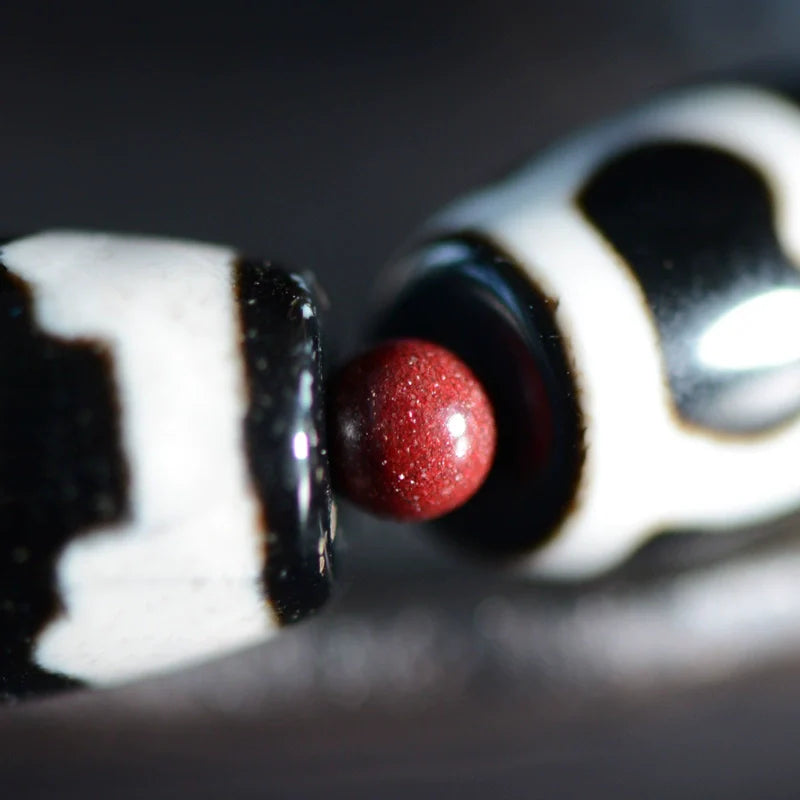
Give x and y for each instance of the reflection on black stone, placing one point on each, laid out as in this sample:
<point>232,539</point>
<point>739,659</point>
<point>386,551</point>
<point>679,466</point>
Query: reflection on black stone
<point>473,300</point>
<point>285,435</point>
<point>696,227</point>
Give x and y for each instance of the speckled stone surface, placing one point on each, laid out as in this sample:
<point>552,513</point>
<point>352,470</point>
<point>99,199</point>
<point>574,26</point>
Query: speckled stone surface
<point>414,433</point>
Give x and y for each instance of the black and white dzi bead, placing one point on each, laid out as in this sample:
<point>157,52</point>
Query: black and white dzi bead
<point>164,487</point>
<point>631,301</point>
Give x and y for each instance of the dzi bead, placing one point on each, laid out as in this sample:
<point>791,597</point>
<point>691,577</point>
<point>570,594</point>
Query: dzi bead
<point>631,302</point>
<point>163,480</point>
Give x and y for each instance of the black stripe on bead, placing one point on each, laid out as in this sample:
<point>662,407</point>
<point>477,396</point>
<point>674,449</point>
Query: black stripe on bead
<point>467,295</point>
<point>696,228</point>
<point>285,435</point>
<point>62,473</point>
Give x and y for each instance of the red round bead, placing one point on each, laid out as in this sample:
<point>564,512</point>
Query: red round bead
<point>413,433</point>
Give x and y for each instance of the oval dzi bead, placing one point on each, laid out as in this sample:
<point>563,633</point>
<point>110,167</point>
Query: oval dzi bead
<point>164,491</point>
<point>631,301</point>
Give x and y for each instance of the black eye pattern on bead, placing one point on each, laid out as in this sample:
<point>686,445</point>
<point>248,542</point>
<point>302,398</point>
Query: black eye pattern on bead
<point>696,228</point>
<point>62,471</point>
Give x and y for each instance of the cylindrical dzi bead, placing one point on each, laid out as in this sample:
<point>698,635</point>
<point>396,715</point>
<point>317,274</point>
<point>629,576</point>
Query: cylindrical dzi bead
<point>631,302</point>
<point>164,489</point>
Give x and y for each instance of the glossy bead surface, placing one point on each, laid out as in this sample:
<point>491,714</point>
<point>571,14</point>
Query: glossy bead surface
<point>414,433</point>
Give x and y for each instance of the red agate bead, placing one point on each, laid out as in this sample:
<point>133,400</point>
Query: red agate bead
<point>413,432</point>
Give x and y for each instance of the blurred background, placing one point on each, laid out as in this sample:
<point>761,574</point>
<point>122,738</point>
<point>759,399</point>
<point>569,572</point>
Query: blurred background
<point>321,133</point>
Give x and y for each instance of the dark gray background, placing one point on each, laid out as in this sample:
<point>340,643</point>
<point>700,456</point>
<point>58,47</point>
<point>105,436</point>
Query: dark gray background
<point>321,134</point>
